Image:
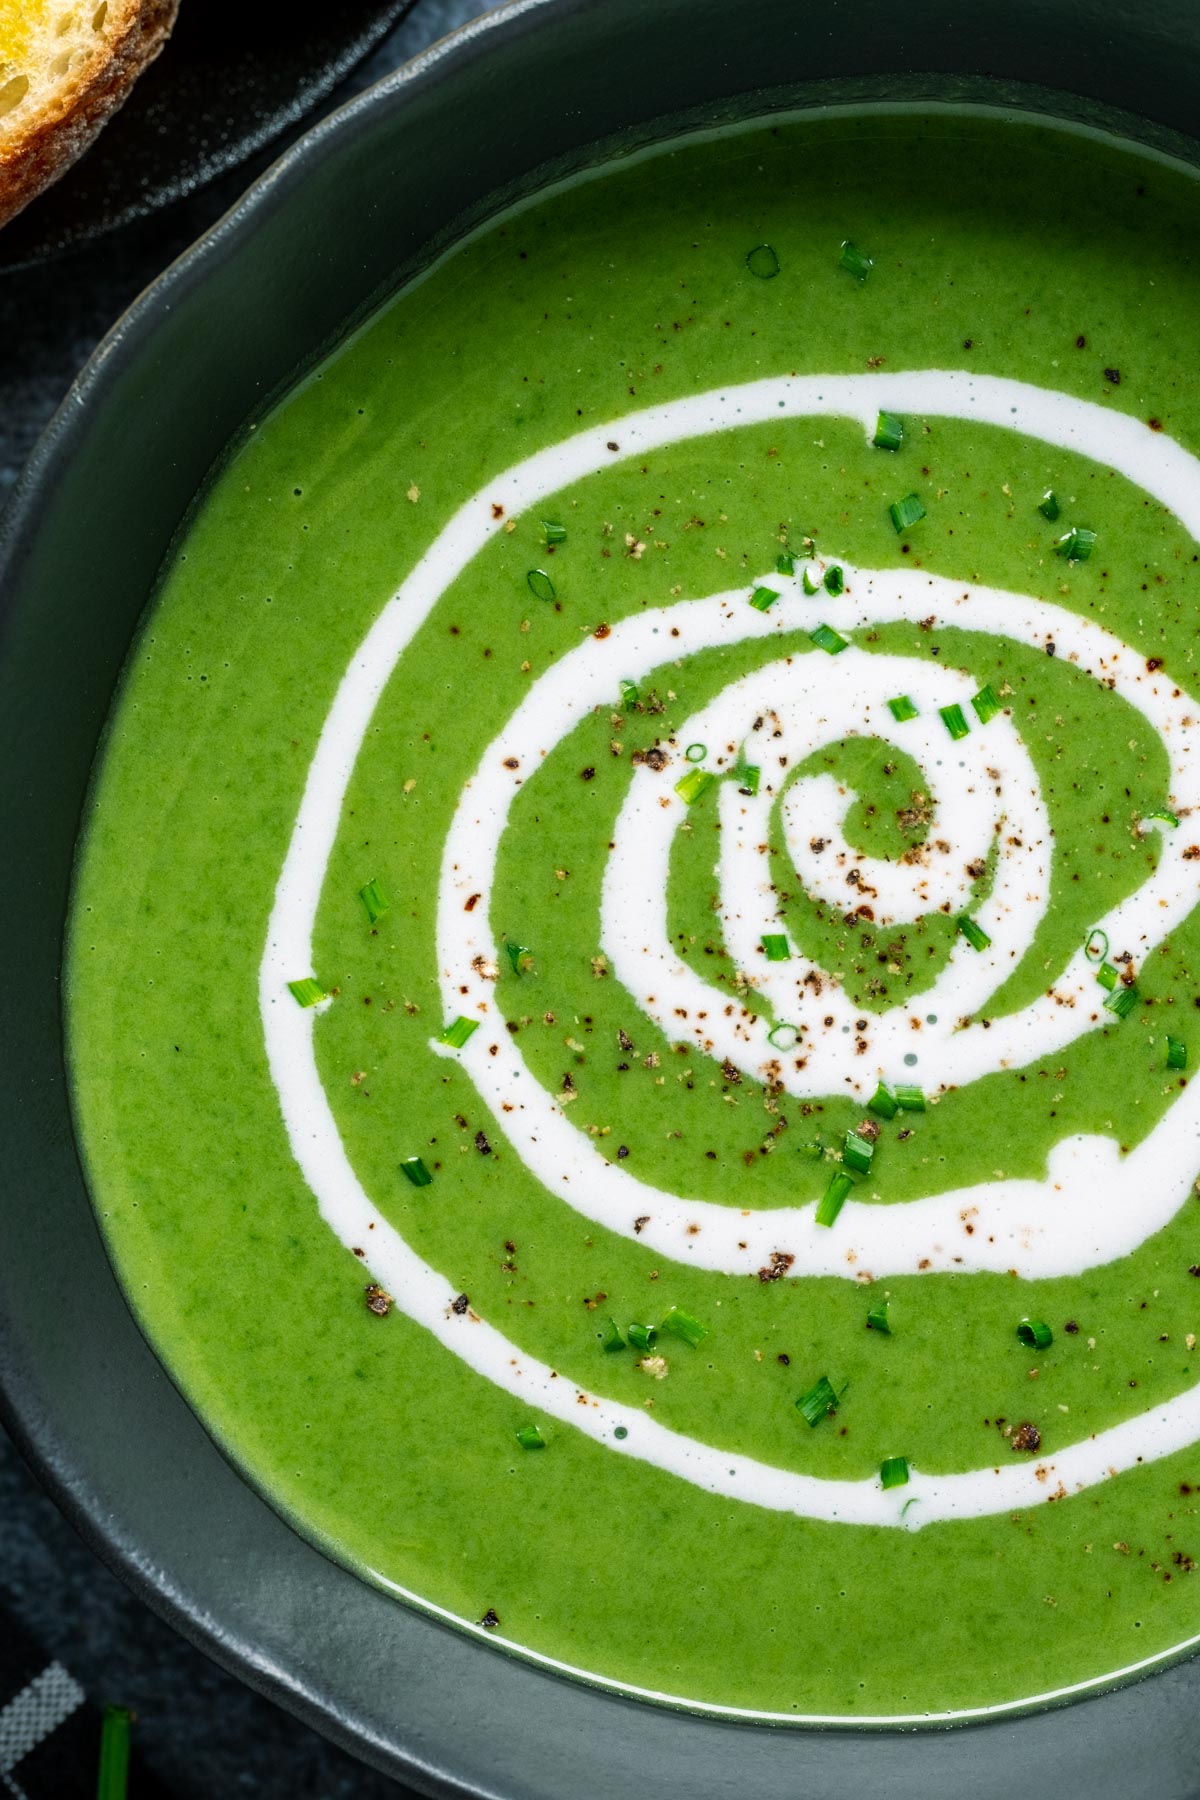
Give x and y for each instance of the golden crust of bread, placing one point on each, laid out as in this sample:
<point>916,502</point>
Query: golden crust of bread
<point>36,153</point>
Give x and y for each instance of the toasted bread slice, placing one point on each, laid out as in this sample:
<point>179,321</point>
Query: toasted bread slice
<point>65,67</point>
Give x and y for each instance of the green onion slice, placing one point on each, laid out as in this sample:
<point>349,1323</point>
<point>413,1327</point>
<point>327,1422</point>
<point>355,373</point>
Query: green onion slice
<point>811,579</point>
<point>893,1472</point>
<point>112,1781</point>
<point>374,899</point>
<point>630,694</point>
<point>1164,814</point>
<point>883,1102</point>
<point>416,1171</point>
<point>783,1036</point>
<point>776,947</point>
<point>681,1324</point>
<point>987,703</point>
<point>902,708</point>
<point>878,1320</point>
<point>306,991</point>
<point>826,638</point>
<point>955,721</point>
<point>974,933</point>
<point>530,1438</point>
<point>1048,505</point>
<point>1076,545</point>
<point>834,1197</point>
<point>764,598</point>
<point>1035,1334</point>
<point>785,563</point>
<point>1122,1001</point>
<point>763,262</point>
<point>696,753</point>
<point>857,1153</point>
<point>813,1149</point>
<point>856,260</point>
<point>1107,976</point>
<point>1176,1053</point>
<point>910,1099</point>
<point>819,1401</point>
<point>553,532</point>
<point>747,775</point>
<point>457,1033</point>
<point>1096,945</point>
<point>520,956</point>
<point>906,512</point>
<point>540,584</point>
<point>834,581</point>
<point>642,1337</point>
<point>612,1339</point>
<point>889,431</point>
<point>690,786</point>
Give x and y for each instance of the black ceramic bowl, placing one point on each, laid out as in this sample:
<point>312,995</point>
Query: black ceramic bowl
<point>535,87</point>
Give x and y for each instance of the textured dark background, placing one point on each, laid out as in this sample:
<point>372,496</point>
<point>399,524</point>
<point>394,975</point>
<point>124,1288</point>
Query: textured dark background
<point>199,1730</point>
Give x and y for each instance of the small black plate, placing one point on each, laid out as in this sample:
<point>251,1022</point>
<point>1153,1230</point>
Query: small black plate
<point>231,78</point>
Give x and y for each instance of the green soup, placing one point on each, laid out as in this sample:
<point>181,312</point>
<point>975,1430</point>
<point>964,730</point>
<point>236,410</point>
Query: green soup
<point>632,981</point>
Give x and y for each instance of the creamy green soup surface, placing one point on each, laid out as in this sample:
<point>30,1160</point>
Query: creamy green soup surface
<point>633,983</point>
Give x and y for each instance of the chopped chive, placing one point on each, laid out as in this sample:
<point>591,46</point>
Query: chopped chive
<point>763,262</point>
<point>307,991</point>
<point>974,933</point>
<point>374,899</point>
<point>1107,976</point>
<point>530,1438</point>
<point>1035,1334</point>
<point>910,1099</point>
<point>1076,545</point>
<point>629,694</point>
<point>764,598</point>
<point>857,1153</point>
<point>987,703</point>
<point>813,1149</point>
<point>819,1401</point>
<point>520,956</point>
<point>902,708</point>
<point>612,1339</point>
<point>642,1337</point>
<point>785,563</point>
<point>834,581</point>
<point>1176,1053</point>
<point>540,584</point>
<point>553,532</point>
<point>1096,945</point>
<point>883,1103</point>
<point>783,1036</point>
<point>955,721</point>
<point>1048,505</point>
<point>690,786</point>
<point>834,1197</point>
<point>906,512</point>
<point>878,1320</point>
<point>856,260</point>
<point>416,1171</point>
<point>1122,1001</point>
<point>893,1472</point>
<point>696,753</point>
<point>889,431</point>
<point>776,947</point>
<point>457,1033</point>
<point>1164,814</point>
<point>112,1781</point>
<point>747,775</point>
<point>680,1324</point>
<point>811,580</point>
<point>826,638</point>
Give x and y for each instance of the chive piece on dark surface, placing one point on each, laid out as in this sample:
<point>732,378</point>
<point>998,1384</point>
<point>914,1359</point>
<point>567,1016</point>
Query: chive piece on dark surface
<point>783,1036</point>
<point>612,1339</point>
<point>883,1102</point>
<point>112,1781</point>
<point>785,563</point>
<point>306,991</point>
<point>1076,545</point>
<point>374,899</point>
<point>763,262</point>
<point>553,532</point>
<point>909,1098</point>
<point>889,431</point>
<point>642,1337</point>
<point>819,1401</point>
<point>857,1153</point>
<point>416,1171</point>
<point>1107,976</point>
<point>457,1033</point>
<point>834,580</point>
<point>987,703</point>
<point>974,933</point>
<point>834,1197</point>
<point>776,947</point>
<point>878,1320</point>
<point>1048,505</point>
<point>902,708</point>
<point>1121,1001</point>
<point>827,639</point>
<point>540,584</point>
<point>955,721</point>
<point>763,598</point>
<point>629,694</point>
<point>1176,1053</point>
<point>1096,945</point>
<point>530,1438</point>
<point>690,786</point>
<point>520,956</point>
<point>680,1324</point>
<point>855,260</point>
<point>1035,1334</point>
<point>906,512</point>
<point>893,1472</point>
<point>696,753</point>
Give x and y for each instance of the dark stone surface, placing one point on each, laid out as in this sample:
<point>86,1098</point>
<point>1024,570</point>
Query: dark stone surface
<point>201,1731</point>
